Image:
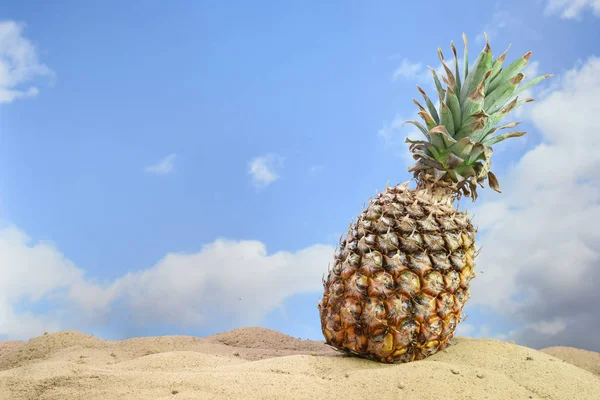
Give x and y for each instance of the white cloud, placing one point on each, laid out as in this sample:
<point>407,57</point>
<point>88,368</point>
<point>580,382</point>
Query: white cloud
<point>164,166</point>
<point>19,63</point>
<point>264,169</point>
<point>541,243</point>
<point>29,271</point>
<point>408,70</point>
<point>572,9</point>
<point>234,280</point>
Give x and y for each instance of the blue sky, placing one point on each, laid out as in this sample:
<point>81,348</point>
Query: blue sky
<point>187,168</point>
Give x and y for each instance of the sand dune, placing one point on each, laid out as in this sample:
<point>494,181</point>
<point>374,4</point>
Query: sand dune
<point>257,363</point>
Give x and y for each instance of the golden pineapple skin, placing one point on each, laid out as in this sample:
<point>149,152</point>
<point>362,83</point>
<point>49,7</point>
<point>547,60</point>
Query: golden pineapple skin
<point>400,279</point>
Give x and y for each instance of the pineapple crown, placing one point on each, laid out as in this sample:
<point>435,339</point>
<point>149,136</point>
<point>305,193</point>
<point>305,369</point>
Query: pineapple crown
<point>457,152</point>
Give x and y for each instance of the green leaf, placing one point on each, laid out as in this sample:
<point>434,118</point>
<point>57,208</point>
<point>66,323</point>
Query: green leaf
<point>496,68</point>
<point>482,65</point>
<point>429,121</point>
<point>447,119</point>
<point>451,78</point>
<point>432,111</point>
<point>421,108</point>
<point>428,160</point>
<point>521,102</point>
<point>476,152</point>
<point>531,82</point>
<point>438,84</point>
<point>454,161</point>
<point>454,106</point>
<point>493,140</point>
<point>500,96</point>
<point>439,137</point>
<point>462,148</point>
<point>498,115</point>
<point>466,170</point>
<point>418,125</point>
<point>509,72</point>
<point>456,71</point>
<point>488,132</point>
<point>471,109</point>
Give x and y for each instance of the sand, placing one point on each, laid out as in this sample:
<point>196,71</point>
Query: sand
<point>257,363</point>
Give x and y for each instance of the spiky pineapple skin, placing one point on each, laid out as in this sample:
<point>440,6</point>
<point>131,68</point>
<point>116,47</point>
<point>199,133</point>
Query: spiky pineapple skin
<point>398,283</point>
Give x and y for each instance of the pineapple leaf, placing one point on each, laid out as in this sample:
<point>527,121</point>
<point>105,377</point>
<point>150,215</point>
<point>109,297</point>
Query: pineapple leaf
<point>494,101</point>
<point>466,170</point>
<point>510,71</point>
<point>421,108</point>
<point>456,71</point>
<point>496,68</point>
<point>451,78</point>
<point>487,132</point>
<point>476,152</point>
<point>497,116</point>
<point>482,65</point>
<point>472,112</point>
<point>438,84</point>
<point>462,148</point>
<point>447,119</point>
<point>429,121</point>
<point>487,162</point>
<point>531,82</point>
<point>493,140</point>
<point>439,137</point>
<point>432,111</point>
<point>428,160</point>
<point>454,106</point>
<point>418,125</point>
<point>454,161</point>
<point>493,182</point>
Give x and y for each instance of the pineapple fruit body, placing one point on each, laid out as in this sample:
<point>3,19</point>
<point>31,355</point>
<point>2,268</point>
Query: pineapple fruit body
<point>400,278</point>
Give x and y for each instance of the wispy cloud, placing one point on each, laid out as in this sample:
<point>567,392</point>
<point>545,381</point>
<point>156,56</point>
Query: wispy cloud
<point>264,169</point>
<point>408,70</point>
<point>19,63</point>
<point>572,9</point>
<point>164,166</point>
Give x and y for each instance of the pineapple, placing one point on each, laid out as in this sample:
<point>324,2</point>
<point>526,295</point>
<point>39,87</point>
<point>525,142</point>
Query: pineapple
<point>400,278</point>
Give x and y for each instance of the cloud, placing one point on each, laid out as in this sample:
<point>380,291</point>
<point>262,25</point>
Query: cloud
<point>408,70</point>
<point>541,243</point>
<point>30,271</point>
<point>164,166</point>
<point>19,63</point>
<point>572,9</point>
<point>264,169</point>
<point>237,281</point>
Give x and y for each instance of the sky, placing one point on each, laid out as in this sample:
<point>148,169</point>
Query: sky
<point>187,168</point>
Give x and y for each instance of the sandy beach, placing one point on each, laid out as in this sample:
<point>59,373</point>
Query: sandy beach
<point>257,363</point>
